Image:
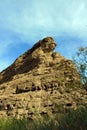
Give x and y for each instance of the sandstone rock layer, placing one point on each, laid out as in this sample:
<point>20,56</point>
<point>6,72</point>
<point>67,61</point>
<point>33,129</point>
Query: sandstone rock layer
<point>39,80</point>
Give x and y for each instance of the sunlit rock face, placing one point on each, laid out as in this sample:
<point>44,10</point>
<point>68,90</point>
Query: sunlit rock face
<point>40,52</point>
<point>36,79</point>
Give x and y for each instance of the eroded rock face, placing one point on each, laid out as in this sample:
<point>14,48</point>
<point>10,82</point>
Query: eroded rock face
<point>40,52</point>
<point>40,78</point>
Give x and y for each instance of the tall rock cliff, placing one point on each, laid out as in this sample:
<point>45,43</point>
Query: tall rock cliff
<point>39,79</point>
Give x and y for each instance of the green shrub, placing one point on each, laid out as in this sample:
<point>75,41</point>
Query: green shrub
<point>13,124</point>
<point>72,120</point>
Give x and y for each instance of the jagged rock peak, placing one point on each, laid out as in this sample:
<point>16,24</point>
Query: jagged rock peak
<point>42,47</point>
<point>40,53</point>
<point>47,44</point>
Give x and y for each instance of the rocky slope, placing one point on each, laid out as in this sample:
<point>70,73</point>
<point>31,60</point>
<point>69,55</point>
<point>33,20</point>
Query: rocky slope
<point>39,82</point>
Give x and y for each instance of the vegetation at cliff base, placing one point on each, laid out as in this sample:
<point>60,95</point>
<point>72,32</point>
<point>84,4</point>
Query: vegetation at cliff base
<point>72,120</point>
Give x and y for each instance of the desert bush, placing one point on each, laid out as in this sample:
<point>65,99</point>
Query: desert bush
<point>72,120</point>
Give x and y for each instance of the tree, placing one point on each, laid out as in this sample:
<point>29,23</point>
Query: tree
<point>80,61</point>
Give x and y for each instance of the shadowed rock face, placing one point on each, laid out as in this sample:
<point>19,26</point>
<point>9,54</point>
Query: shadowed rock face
<point>40,78</point>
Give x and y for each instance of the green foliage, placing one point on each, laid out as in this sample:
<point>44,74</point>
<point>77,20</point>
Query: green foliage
<point>80,61</point>
<point>72,120</point>
<point>13,124</point>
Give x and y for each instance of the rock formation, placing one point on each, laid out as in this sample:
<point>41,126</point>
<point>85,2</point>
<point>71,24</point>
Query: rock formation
<point>39,80</point>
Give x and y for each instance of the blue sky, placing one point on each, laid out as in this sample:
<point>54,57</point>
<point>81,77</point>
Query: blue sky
<point>24,22</point>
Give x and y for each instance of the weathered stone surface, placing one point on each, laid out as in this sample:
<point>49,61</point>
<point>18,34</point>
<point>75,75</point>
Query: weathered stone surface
<point>38,81</point>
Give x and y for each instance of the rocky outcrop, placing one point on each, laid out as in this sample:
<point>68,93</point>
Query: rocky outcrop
<point>40,52</point>
<point>40,79</point>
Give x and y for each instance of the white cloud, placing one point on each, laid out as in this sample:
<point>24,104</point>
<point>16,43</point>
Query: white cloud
<point>55,16</point>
